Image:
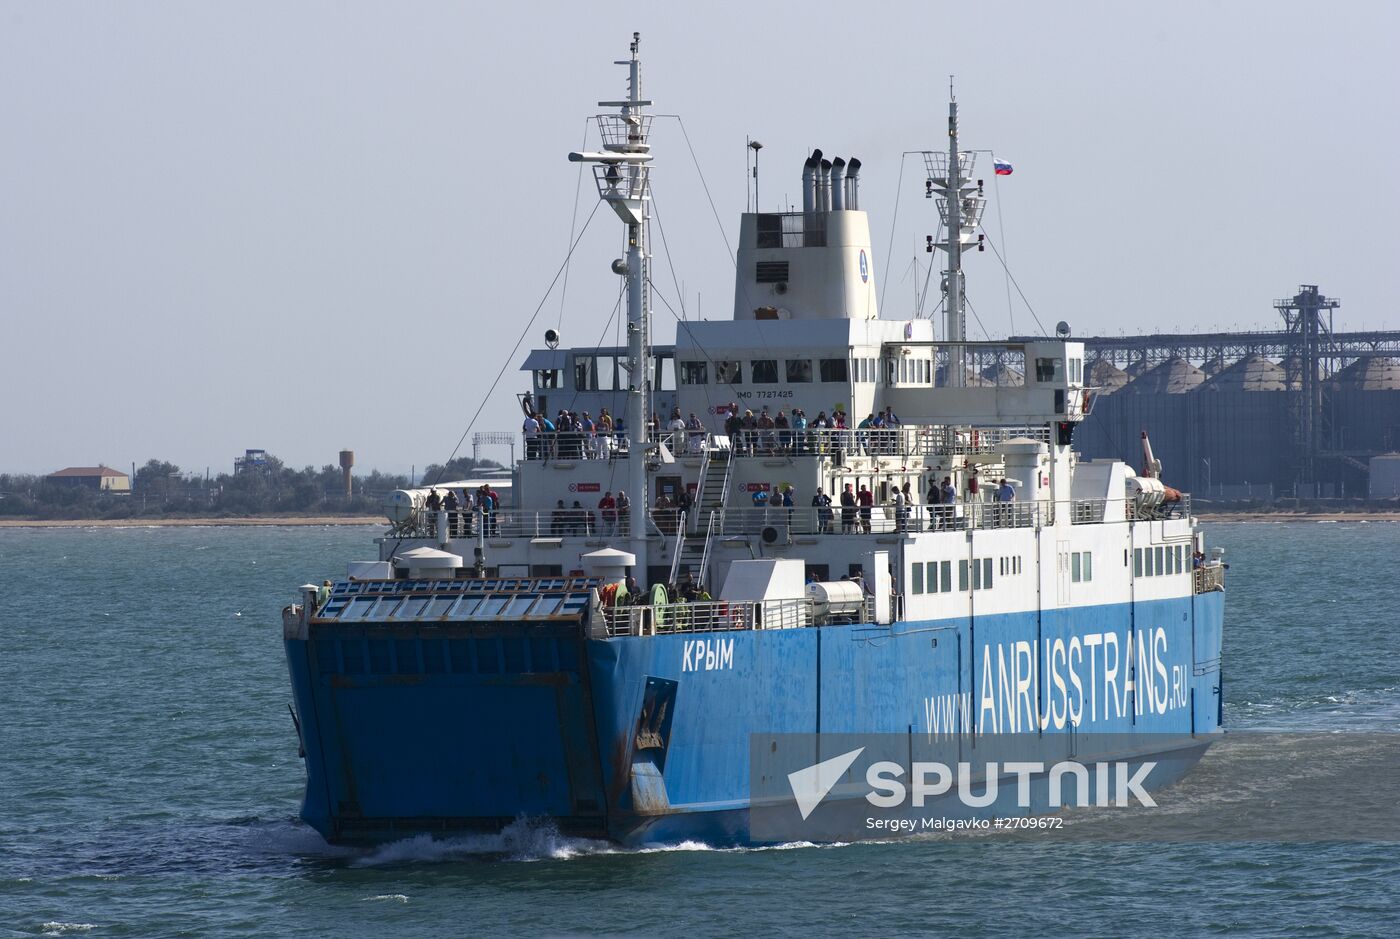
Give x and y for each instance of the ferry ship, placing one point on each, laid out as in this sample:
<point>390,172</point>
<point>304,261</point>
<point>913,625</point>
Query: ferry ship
<point>614,664</point>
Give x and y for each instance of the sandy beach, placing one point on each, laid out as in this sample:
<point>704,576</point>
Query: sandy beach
<point>178,522</point>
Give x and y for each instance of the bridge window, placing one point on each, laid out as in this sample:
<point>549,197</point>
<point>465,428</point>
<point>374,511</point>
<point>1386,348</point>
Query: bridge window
<point>1048,369</point>
<point>916,579</point>
<point>729,373</point>
<point>834,370</point>
<point>799,371</point>
<point>585,373</point>
<point>1137,562</point>
<point>695,373</point>
<point>547,378</point>
<point>607,372</point>
<point>664,376</point>
<point>765,371</point>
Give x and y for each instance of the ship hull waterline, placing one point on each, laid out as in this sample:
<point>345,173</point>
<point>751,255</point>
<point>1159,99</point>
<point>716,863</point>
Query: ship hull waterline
<point>452,729</point>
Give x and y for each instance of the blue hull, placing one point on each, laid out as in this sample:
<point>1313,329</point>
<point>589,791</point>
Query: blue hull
<point>447,728</point>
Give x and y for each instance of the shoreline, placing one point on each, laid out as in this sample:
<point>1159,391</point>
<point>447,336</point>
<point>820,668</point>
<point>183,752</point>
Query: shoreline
<point>1298,516</point>
<point>190,522</point>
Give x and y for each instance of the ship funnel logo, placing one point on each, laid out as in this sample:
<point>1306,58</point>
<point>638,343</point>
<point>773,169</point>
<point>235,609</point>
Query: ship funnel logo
<point>864,267</point>
<point>811,785</point>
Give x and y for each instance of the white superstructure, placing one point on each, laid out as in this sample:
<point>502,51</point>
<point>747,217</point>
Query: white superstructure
<point>1028,525</point>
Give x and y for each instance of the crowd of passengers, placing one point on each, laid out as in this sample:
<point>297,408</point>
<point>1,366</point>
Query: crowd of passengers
<point>461,509</point>
<point>580,436</point>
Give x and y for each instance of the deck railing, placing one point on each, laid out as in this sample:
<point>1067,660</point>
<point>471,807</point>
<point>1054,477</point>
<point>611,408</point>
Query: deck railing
<point>707,616</point>
<point>883,519</point>
<point>1210,577</point>
<point>904,440</point>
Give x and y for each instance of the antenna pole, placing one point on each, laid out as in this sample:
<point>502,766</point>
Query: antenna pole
<point>621,171</point>
<point>956,330</point>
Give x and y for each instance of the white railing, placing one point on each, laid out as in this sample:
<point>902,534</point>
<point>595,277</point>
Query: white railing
<point>705,552</point>
<point>1209,578</point>
<point>901,440</point>
<point>679,545</point>
<point>883,519</point>
<point>707,616</point>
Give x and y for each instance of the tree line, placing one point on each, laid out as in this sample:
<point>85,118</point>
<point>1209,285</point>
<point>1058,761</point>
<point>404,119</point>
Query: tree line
<point>161,488</point>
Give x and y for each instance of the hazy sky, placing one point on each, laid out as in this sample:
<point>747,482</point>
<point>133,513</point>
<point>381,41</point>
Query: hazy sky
<point>308,226</point>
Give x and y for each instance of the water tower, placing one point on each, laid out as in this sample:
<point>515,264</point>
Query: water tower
<point>347,460</point>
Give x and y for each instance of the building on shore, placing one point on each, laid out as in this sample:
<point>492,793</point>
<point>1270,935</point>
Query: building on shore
<point>98,478</point>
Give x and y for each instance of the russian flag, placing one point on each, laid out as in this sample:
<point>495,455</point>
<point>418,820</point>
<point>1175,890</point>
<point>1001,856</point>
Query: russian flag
<point>1002,167</point>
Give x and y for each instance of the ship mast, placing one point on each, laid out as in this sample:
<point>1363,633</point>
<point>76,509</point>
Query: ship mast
<point>621,171</point>
<point>960,203</point>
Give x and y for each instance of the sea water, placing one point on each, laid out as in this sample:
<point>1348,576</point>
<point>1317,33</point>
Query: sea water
<point>149,779</point>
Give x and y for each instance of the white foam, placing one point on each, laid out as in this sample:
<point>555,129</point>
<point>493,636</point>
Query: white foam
<point>525,839</point>
<point>58,929</point>
<point>532,839</point>
<point>401,897</point>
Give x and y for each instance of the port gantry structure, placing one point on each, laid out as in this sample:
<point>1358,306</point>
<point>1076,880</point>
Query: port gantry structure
<point>1308,347</point>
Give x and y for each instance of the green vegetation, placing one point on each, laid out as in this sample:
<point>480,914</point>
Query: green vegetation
<point>161,490</point>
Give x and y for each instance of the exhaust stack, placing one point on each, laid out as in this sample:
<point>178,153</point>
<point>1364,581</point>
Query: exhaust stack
<point>838,184</point>
<point>809,182</point>
<point>853,184</point>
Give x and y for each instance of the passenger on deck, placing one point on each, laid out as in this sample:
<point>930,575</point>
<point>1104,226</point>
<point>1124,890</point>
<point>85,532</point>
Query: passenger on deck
<point>531,427</point>
<point>323,594</point>
<point>662,514</point>
<point>901,510</point>
<point>558,519</point>
<point>848,510</point>
<point>783,427</point>
<point>863,436</point>
<point>677,428</point>
<point>580,519</point>
<point>867,502</point>
<point>624,513</point>
<point>548,438</point>
<point>768,438</point>
<point>696,431</point>
<point>434,501</point>
<point>935,504</point>
<point>590,435</point>
<point>1006,492</point>
<point>734,428</point>
<point>605,433</point>
<point>822,503</point>
<point>607,507</point>
<point>750,426</point>
<point>799,430</point>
